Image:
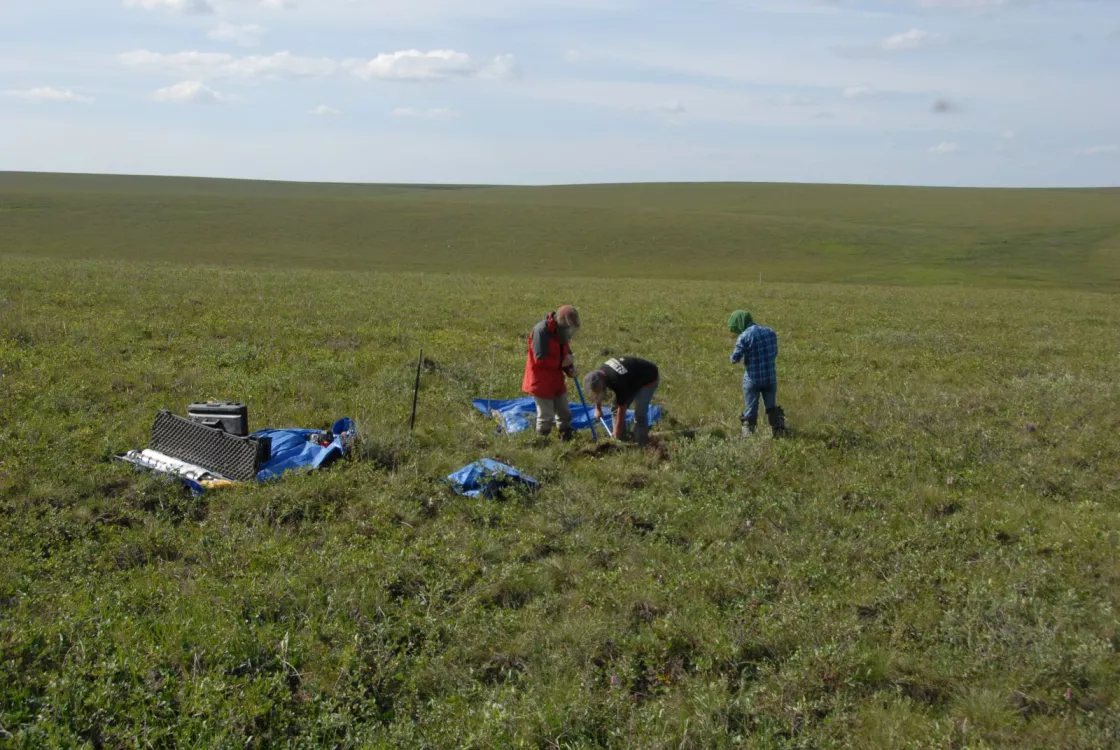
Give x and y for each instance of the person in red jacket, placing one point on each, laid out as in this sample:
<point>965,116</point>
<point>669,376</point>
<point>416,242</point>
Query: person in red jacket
<point>547,367</point>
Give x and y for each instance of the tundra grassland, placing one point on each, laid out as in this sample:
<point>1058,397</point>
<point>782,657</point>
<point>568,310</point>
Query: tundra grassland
<point>929,560</point>
<point>732,232</point>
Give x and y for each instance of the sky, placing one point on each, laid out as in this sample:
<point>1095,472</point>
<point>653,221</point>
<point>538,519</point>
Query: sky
<point>931,92</point>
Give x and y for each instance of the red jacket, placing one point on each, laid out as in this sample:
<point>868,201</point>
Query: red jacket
<point>544,377</point>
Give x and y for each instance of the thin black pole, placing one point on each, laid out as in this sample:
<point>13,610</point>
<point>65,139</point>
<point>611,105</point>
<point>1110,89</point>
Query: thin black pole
<point>416,391</point>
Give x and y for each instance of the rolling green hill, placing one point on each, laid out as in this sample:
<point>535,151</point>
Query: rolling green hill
<point>794,233</point>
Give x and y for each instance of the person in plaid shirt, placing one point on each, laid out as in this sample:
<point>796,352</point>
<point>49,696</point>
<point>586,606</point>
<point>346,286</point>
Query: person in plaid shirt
<point>756,346</point>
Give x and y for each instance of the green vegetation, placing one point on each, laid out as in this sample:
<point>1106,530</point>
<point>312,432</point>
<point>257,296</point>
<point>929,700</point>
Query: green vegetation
<point>929,561</point>
<point>787,233</point>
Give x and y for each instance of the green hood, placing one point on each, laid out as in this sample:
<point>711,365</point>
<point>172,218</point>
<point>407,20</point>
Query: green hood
<point>740,321</point>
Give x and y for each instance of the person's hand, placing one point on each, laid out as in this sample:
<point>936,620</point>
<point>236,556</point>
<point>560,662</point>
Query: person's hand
<point>598,411</point>
<point>569,366</point>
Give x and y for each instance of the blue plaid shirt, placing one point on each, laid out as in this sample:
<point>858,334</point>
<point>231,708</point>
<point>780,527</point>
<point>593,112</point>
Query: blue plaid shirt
<point>758,345</point>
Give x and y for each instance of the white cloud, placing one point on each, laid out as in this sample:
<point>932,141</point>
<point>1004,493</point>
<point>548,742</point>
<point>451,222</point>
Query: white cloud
<point>179,6</point>
<point>793,100</point>
<point>1007,135</point>
<point>417,15</point>
<point>190,92</point>
<point>407,65</point>
<point>203,7</point>
<point>221,65</point>
<point>436,65</point>
<point>908,40</point>
<point>47,94</point>
<point>414,65</point>
<point>248,35</point>
<point>438,113</point>
<point>945,147</point>
<point>859,92</point>
<point>1099,150</point>
<point>502,67</point>
<point>324,111</point>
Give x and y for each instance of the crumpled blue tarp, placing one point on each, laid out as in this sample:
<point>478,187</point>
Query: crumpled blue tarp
<point>487,478</point>
<point>520,414</point>
<point>291,450</point>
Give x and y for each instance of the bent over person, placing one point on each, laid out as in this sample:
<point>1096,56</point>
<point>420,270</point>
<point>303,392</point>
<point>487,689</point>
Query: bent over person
<point>547,366</point>
<point>633,381</point>
<point>756,346</point>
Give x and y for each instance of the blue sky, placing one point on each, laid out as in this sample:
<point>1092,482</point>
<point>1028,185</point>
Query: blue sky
<point>936,92</point>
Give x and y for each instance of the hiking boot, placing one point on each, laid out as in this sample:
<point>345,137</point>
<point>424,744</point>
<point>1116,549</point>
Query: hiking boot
<point>777,419</point>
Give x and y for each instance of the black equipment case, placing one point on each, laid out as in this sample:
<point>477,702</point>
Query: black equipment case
<point>225,416</point>
<point>233,457</point>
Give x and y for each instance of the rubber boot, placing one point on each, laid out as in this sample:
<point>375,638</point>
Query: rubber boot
<point>777,419</point>
<point>566,434</point>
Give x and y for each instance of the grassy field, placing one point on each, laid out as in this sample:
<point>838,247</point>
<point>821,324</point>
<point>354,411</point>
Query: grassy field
<point>786,233</point>
<point>929,561</point>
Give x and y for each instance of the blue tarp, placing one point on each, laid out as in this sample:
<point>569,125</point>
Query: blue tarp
<point>487,478</point>
<point>520,414</point>
<point>291,450</point>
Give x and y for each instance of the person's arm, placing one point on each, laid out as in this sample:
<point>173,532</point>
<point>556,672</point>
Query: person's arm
<point>740,350</point>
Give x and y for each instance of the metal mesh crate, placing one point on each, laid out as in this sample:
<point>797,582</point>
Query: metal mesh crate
<point>232,457</point>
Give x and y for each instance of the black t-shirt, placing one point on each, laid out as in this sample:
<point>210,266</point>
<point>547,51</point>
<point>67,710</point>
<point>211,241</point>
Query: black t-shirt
<point>628,375</point>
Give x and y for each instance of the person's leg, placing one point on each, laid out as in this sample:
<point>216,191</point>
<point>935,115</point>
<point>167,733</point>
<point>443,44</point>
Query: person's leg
<point>770,397</point>
<point>774,414</point>
<point>546,415</point>
<point>641,413</point>
<point>618,417</point>
<point>563,416</point>
<point>750,416</point>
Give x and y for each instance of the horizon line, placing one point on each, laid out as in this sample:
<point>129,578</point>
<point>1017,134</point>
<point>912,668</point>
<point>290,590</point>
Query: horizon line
<point>498,185</point>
